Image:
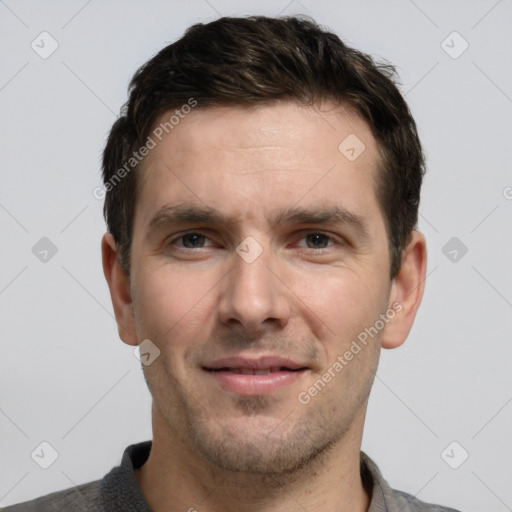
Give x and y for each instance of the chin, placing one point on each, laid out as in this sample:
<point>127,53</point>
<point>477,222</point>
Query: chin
<point>259,445</point>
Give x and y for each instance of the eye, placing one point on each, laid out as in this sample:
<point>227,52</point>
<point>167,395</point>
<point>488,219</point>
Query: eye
<point>317,240</point>
<point>191,240</point>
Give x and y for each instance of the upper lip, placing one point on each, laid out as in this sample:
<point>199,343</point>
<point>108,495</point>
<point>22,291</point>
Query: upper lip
<point>259,363</point>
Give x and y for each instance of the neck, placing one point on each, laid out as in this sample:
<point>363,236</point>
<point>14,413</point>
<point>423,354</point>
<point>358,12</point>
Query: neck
<point>175,479</point>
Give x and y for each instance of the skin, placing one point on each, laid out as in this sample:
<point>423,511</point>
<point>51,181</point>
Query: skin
<point>214,450</point>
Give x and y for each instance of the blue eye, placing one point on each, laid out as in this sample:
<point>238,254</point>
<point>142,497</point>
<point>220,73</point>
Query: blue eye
<point>316,239</point>
<point>194,240</point>
<point>192,237</point>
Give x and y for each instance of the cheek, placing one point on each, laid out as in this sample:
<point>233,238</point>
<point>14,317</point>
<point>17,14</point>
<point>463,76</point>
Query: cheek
<point>159,302</point>
<point>171,304</point>
<point>342,294</point>
<point>346,304</point>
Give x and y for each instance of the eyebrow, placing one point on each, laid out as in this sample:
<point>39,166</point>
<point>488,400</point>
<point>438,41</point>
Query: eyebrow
<point>191,213</point>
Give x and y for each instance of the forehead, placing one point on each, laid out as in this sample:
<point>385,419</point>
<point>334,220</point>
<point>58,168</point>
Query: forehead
<point>271,153</point>
<point>267,128</point>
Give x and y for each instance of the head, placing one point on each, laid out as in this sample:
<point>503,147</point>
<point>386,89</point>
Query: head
<point>254,61</point>
<point>254,135</point>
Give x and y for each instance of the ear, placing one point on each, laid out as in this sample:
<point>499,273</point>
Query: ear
<point>406,291</point>
<point>119,285</point>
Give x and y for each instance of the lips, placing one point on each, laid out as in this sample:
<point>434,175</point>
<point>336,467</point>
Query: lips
<point>248,371</point>
<point>254,376</point>
<point>268,364</point>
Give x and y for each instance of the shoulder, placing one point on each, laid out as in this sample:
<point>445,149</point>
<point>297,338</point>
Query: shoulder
<point>412,504</point>
<point>117,490</point>
<point>84,497</point>
<point>384,497</point>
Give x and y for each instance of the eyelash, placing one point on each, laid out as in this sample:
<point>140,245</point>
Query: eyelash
<point>309,233</point>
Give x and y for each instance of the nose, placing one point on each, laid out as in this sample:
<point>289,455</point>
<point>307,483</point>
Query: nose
<point>254,297</point>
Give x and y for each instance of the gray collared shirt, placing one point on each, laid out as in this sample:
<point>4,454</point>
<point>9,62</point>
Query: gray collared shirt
<point>386,499</point>
<point>118,491</point>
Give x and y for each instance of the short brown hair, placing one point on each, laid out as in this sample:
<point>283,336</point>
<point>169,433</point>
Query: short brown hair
<point>257,59</point>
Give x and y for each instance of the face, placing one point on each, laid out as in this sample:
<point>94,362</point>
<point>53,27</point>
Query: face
<point>259,256</point>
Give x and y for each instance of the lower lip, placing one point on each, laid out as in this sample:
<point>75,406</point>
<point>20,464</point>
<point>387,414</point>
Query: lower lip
<point>261,384</point>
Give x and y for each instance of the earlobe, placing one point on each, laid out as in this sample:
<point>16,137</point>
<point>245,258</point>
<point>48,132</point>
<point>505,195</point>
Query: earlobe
<point>119,286</point>
<point>407,291</point>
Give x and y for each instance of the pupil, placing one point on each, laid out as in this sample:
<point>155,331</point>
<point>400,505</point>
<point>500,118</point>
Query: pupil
<point>317,237</point>
<point>193,237</point>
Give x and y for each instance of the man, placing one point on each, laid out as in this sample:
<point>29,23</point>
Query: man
<point>262,191</point>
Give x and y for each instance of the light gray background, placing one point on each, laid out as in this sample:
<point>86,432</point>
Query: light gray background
<point>67,379</point>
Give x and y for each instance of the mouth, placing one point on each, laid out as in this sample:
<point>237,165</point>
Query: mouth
<point>249,371</point>
<point>261,376</point>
